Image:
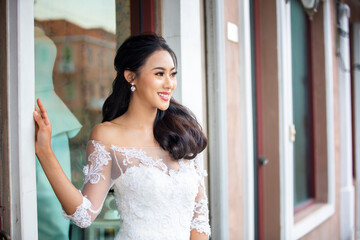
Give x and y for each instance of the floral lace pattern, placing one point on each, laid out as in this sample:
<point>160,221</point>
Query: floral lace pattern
<point>200,222</point>
<point>81,216</point>
<point>98,159</point>
<point>141,155</point>
<point>157,197</point>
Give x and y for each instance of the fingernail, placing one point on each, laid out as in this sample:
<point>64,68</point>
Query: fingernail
<point>36,113</point>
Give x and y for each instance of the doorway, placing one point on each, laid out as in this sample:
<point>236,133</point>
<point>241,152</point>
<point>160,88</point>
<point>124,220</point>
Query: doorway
<point>266,120</point>
<point>5,216</point>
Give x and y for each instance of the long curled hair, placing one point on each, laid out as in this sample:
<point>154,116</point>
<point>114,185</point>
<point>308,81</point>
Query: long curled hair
<point>175,129</point>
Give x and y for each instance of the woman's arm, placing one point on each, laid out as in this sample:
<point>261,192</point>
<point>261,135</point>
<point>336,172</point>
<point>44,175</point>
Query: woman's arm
<point>81,207</point>
<point>200,228</point>
<point>68,195</point>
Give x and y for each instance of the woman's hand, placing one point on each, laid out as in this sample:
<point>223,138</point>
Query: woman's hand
<point>42,130</point>
<point>195,235</point>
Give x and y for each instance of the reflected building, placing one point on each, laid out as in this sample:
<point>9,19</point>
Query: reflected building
<point>83,74</point>
<point>83,71</point>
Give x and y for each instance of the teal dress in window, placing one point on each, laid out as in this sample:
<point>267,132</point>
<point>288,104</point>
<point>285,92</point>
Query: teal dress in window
<point>51,224</point>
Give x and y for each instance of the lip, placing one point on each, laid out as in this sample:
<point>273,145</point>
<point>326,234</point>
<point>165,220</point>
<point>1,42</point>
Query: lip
<point>164,95</point>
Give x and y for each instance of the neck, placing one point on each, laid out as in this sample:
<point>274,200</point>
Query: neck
<point>140,115</point>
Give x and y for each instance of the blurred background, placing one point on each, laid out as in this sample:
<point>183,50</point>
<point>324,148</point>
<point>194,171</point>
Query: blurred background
<point>275,85</point>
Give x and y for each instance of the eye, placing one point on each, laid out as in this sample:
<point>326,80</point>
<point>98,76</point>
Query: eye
<point>173,74</point>
<point>159,74</point>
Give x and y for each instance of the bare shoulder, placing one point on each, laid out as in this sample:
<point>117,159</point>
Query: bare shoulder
<point>105,132</point>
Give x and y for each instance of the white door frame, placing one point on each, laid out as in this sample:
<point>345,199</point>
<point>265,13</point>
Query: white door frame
<point>247,120</point>
<point>285,118</point>
<point>21,89</point>
<point>356,79</point>
<point>344,90</point>
<point>217,123</point>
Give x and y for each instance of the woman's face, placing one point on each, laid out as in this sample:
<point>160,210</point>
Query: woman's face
<point>156,81</point>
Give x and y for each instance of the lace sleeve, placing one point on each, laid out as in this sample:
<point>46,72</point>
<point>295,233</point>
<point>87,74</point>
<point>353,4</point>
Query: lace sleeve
<point>200,220</point>
<point>98,175</point>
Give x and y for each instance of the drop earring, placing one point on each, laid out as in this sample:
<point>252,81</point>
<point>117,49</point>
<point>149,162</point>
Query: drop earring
<point>133,88</point>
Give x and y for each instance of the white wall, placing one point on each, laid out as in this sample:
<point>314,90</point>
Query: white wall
<point>182,31</point>
<point>346,185</point>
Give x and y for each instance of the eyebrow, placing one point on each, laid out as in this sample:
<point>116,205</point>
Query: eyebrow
<point>161,68</point>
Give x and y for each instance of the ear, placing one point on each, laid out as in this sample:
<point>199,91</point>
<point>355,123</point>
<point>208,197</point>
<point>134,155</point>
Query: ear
<point>129,75</point>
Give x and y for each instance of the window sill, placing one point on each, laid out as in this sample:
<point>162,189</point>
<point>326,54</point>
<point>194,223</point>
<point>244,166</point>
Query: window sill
<point>311,217</point>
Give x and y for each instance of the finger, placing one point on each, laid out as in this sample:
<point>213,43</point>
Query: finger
<point>38,119</point>
<point>38,111</point>
<point>42,108</point>
<point>41,118</point>
<point>36,127</point>
<point>43,112</point>
<point>36,130</point>
<point>35,114</point>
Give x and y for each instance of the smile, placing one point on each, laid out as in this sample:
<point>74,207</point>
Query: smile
<point>164,96</point>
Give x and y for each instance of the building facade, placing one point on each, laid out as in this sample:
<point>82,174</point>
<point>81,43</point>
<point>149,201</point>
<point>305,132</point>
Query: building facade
<point>275,85</point>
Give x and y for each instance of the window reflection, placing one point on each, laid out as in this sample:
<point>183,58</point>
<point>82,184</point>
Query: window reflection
<point>65,126</point>
<point>84,35</point>
<point>302,114</point>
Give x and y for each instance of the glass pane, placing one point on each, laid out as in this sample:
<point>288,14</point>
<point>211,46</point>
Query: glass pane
<point>75,45</point>
<point>301,100</point>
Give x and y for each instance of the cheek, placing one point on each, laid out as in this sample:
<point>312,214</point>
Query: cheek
<point>149,85</point>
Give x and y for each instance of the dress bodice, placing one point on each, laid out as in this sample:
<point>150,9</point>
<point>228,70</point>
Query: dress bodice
<point>157,197</point>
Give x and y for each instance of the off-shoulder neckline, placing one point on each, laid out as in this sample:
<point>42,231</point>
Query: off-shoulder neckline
<point>129,147</point>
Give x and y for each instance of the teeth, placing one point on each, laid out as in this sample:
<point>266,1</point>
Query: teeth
<point>163,95</point>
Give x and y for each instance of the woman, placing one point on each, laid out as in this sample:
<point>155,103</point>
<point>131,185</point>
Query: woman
<point>145,149</point>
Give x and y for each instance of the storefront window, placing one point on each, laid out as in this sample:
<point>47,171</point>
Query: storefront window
<point>302,105</point>
<point>75,44</point>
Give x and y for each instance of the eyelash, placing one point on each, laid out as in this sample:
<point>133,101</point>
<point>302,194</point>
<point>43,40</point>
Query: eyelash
<point>161,74</point>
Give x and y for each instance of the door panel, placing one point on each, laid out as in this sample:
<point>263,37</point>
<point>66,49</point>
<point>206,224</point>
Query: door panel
<point>267,119</point>
<point>5,216</point>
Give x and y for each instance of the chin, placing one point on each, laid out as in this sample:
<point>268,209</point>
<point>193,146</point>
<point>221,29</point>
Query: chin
<point>164,107</point>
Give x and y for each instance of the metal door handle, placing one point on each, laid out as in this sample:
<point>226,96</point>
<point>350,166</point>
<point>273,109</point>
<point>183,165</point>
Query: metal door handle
<point>4,236</point>
<point>263,161</point>
<point>292,132</point>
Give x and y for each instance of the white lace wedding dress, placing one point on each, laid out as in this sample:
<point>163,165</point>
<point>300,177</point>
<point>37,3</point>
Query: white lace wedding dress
<point>158,198</point>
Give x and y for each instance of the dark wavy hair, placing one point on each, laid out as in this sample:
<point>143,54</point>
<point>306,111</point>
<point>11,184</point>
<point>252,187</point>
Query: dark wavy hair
<point>175,129</point>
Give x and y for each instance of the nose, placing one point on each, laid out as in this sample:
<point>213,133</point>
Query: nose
<point>168,83</point>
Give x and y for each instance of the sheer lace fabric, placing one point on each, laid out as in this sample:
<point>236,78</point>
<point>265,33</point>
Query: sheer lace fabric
<point>157,197</point>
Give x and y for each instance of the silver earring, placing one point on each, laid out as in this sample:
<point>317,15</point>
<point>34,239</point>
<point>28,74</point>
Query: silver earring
<point>133,88</point>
